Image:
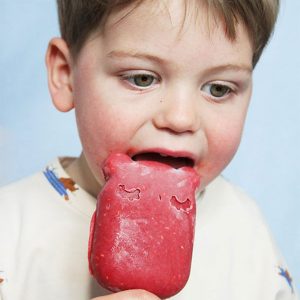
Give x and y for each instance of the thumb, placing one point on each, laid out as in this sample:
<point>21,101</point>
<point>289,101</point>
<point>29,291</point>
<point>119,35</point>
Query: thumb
<point>129,295</point>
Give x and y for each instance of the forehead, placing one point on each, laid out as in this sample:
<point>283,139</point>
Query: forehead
<point>180,16</point>
<point>179,12</point>
<point>173,31</point>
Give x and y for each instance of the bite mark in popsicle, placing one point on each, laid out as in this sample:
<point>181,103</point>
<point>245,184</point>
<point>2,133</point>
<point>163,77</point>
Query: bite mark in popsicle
<point>143,229</point>
<point>132,194</point>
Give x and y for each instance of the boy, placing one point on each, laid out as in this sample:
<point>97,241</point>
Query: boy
<point>157,80</point>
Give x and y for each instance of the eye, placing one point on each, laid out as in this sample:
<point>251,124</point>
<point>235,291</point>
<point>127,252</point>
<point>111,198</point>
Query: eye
<point>217,90</point>
<point>140,80</point>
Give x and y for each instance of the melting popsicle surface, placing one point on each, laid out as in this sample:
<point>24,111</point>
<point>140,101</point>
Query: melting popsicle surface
<point>143,229</point>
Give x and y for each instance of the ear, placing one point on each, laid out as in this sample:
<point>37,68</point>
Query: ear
<point>59,69</point>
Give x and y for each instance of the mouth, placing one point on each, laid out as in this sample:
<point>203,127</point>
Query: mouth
<point>175,162</point>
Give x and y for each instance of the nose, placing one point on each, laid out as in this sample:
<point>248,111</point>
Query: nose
<point>178,112</point>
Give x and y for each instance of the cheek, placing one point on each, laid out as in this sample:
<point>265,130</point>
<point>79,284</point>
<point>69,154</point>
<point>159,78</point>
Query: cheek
<point>104,126</point>
<point>222,144</point>
<point>96,117</point>
<point>101,130</point>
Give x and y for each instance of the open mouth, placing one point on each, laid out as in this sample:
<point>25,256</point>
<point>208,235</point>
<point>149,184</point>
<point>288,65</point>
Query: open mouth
<point>174,162</point>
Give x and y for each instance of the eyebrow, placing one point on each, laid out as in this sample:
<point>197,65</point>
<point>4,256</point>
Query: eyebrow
<point>232,67</point>
<point>214,69</point>
<point>133,54</point>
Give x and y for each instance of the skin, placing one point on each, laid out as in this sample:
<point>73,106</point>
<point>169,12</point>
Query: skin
<point>183,90</point>
<point>129,295</point>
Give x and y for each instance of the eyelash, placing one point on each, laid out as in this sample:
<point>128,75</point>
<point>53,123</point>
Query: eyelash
<point>207,89</point>
<point>132,77</point>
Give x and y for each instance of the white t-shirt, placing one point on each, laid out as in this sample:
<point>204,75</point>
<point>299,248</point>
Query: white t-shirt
<point>44,230</point>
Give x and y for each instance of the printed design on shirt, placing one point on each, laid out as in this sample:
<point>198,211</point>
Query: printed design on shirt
<point>62,184</point>
<point>2,278</point>
<point>285,273</point>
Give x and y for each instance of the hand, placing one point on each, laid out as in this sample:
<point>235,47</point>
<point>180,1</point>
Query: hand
<point>129,295</point>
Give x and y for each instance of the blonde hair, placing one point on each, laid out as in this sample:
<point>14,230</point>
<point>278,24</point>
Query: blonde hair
<point>78,19</point>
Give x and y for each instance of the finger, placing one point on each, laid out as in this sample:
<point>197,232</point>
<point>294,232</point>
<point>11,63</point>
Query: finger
<point>129,295</point>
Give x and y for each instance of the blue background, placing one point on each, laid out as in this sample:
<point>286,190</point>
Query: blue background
<point>267,164</point>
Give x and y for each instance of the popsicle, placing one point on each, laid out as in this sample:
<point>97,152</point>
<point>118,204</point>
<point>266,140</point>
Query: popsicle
<point>143,228</point>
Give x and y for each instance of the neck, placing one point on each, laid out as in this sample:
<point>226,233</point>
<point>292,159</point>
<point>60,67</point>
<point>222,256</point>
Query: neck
<point>80,172</point>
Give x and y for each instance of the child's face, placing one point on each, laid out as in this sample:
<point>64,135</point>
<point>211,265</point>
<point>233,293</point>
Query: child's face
<point>150,85</point>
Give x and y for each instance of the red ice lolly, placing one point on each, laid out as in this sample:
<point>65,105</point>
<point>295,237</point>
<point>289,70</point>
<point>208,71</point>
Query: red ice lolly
<point>143,228</point>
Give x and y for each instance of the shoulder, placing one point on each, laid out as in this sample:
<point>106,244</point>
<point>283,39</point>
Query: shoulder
<point>37,190</point>
<point>231,202</point>
<point>13,195</point>
<point>18,202</point>
<point>233,238</point>
<point>18,208</point>
<point>21,187</point>
<point>28,192</point>
<point>242,221</point>
<point>28,202</point>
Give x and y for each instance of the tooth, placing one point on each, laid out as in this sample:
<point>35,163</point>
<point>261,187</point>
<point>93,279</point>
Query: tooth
<point>163,155</point>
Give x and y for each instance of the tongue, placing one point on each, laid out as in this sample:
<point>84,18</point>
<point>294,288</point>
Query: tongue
<point>175,162</point>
